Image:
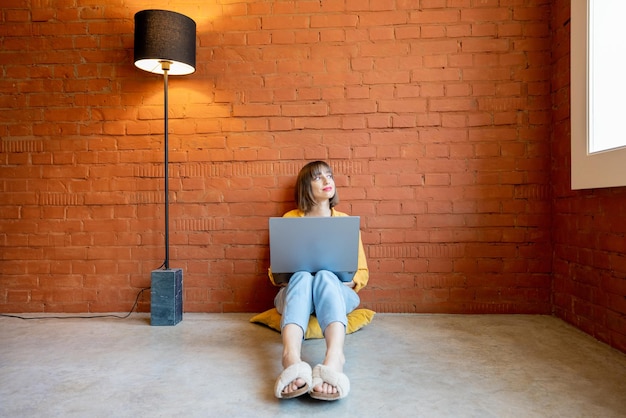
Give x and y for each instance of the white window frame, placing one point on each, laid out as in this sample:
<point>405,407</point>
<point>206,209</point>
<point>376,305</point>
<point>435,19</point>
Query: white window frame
<point>588,170</point>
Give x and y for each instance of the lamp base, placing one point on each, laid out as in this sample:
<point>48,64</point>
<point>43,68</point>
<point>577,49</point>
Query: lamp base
<point>166,297</point>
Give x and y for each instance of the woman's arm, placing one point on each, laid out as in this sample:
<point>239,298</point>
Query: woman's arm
<point>362,275</point>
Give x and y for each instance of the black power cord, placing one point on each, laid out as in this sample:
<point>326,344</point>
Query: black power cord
<point>83,317</point>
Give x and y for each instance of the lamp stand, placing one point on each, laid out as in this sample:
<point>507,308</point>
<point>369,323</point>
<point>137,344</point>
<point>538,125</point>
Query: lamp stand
<point>165,65</point>
<point>166,291</point>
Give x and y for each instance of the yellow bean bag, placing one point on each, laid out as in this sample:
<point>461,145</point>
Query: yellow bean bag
<point>357,319</point>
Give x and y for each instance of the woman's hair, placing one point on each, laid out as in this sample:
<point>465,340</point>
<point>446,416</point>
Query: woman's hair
<point>304,192</point>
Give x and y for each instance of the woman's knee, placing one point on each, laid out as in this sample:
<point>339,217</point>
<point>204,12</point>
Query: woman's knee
<point>325,278</point>
<point>300,278</point>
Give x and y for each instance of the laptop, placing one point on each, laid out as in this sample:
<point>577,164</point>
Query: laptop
<point>313,244</point>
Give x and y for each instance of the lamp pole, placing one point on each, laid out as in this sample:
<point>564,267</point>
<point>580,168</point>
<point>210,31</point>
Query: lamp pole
<point>165,65</point>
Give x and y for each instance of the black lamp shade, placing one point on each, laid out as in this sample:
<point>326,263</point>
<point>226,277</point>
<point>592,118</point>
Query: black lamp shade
<point>165,36</point>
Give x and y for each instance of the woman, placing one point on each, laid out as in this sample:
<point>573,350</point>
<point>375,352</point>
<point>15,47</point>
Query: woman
<point>323,294</point>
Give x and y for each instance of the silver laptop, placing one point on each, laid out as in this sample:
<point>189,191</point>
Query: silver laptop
<point>313,244</point>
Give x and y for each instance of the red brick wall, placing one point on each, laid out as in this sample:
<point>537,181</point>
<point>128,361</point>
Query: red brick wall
<point>589,288</point>
<point>436,116</point>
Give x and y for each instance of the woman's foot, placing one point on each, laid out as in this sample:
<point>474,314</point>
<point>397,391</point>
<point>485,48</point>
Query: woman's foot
<point>324,386</point>
<point>294,388</point>
<point>334,385</point>
<point>294,381</point>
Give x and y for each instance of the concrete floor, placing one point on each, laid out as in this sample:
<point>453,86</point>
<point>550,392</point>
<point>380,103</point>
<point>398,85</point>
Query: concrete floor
<point>222,365</point>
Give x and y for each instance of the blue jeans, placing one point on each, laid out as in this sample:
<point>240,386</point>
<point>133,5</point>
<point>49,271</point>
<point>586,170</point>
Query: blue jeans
<point>323,294</point>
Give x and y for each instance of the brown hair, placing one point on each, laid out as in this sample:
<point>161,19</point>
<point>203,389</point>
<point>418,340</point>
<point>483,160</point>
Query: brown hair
<point>304,193</point>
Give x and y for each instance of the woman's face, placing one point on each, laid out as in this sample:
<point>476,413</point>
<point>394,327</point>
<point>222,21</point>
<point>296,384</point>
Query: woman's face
<point>323,185</point>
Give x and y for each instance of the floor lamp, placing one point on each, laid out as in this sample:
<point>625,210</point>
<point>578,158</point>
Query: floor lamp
<point>165,43</point>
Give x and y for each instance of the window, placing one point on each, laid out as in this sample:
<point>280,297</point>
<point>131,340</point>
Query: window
<point>598,136</point>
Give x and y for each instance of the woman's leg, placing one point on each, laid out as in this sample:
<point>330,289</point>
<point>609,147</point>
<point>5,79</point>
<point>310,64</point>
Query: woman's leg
<point>292,348</point>
<point>335,335</point>
<point>295,304</point>
<point>333,301</point>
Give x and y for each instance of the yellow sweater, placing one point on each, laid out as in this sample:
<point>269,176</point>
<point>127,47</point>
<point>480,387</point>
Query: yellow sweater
<point>362,274</point>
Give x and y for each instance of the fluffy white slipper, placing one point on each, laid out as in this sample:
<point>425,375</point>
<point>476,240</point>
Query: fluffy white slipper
<point>300,370</point>
<point>323,374</point>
